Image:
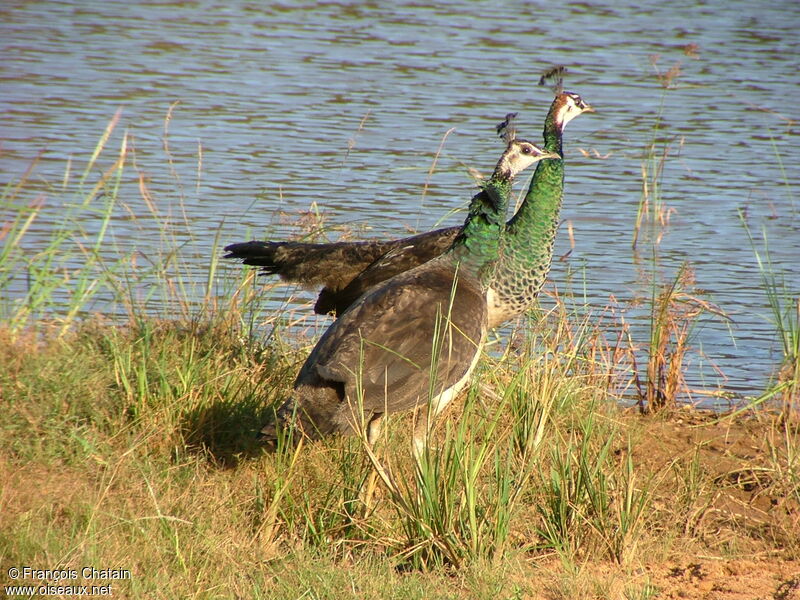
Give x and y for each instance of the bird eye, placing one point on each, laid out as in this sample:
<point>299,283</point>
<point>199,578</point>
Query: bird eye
<point>527,149</point>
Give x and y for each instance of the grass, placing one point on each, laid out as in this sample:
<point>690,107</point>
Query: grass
<point>128,440</point>
<point>652,211</point>
<point>674,313</point>
<point>133,448</point>
<point>785,313</point>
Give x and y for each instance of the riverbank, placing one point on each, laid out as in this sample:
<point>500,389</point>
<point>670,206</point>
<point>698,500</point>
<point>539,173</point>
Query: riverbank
<point>132,447</point>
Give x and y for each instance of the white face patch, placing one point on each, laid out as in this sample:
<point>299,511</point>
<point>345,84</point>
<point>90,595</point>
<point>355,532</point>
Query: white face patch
<point>569,110</point>
<point>519,155</point>
<point>524,155</point>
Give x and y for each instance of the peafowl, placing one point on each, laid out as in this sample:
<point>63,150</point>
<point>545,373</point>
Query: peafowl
<point>529,235</point>
<point>415,336</point>
<point>347,269</point>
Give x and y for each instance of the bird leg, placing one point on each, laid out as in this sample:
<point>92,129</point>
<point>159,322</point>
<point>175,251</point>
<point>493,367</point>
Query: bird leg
<point>422,429</point>
<point>421,433</point>
<point>373,432</point>
<point>374,429</point>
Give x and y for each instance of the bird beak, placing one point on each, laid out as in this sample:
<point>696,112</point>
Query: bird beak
<point>588,108</point>
<point>550,155</point>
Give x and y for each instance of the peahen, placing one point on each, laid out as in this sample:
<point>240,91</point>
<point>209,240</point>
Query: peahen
<point>529,235</point>
<point>416,336</point>
<point>347,269</point>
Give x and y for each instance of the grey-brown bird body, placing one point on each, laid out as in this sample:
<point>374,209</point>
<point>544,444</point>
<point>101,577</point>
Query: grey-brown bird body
<point>378,357</point>
<point>413,338</point>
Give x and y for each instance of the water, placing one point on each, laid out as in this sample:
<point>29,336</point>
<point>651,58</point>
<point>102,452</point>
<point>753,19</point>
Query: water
<point>344,104</point>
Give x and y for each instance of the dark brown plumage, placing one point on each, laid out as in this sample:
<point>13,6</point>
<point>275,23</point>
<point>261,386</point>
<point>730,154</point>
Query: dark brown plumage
<point>378,358</point>
<point>412,339</point>
<point>403,256</point>
<point>344,269</point>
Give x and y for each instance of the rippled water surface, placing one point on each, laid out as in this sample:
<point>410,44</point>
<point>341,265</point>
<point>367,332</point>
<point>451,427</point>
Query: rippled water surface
<point>345,104</point>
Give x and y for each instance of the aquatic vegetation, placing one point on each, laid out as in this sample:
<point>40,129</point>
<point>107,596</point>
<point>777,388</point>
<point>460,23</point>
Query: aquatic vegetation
<point>784,305</point>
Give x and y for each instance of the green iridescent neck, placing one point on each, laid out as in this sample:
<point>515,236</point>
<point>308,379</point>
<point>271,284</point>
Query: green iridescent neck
<point>477,247</point>
<point>527,240</point>
<point>534,224</point>
<point>547,186</point>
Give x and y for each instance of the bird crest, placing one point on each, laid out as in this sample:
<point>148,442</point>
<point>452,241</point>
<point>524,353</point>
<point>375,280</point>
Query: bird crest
<point>507,130</point>
<point>556,74</point>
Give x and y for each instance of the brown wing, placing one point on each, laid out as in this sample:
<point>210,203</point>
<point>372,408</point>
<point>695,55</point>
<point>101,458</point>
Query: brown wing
<point>340,266</point>
<point>333,265</point>
<point>404,256</point>
<point>394,337</point>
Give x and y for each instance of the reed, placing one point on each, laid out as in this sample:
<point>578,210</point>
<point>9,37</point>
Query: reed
<point>652,210</point>
<point>67,272</point>
<point>674,312</point>
<point>784,306</point>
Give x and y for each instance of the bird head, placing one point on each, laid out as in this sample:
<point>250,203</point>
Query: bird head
<point>519,155</point>
<point>568,106</point>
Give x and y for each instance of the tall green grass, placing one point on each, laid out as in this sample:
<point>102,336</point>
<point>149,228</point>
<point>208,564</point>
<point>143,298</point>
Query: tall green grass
<point>62,257</point>
<point>67,271</point>
<point>784,307</point>
<point>587,511</point>
<point>135,446</point>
